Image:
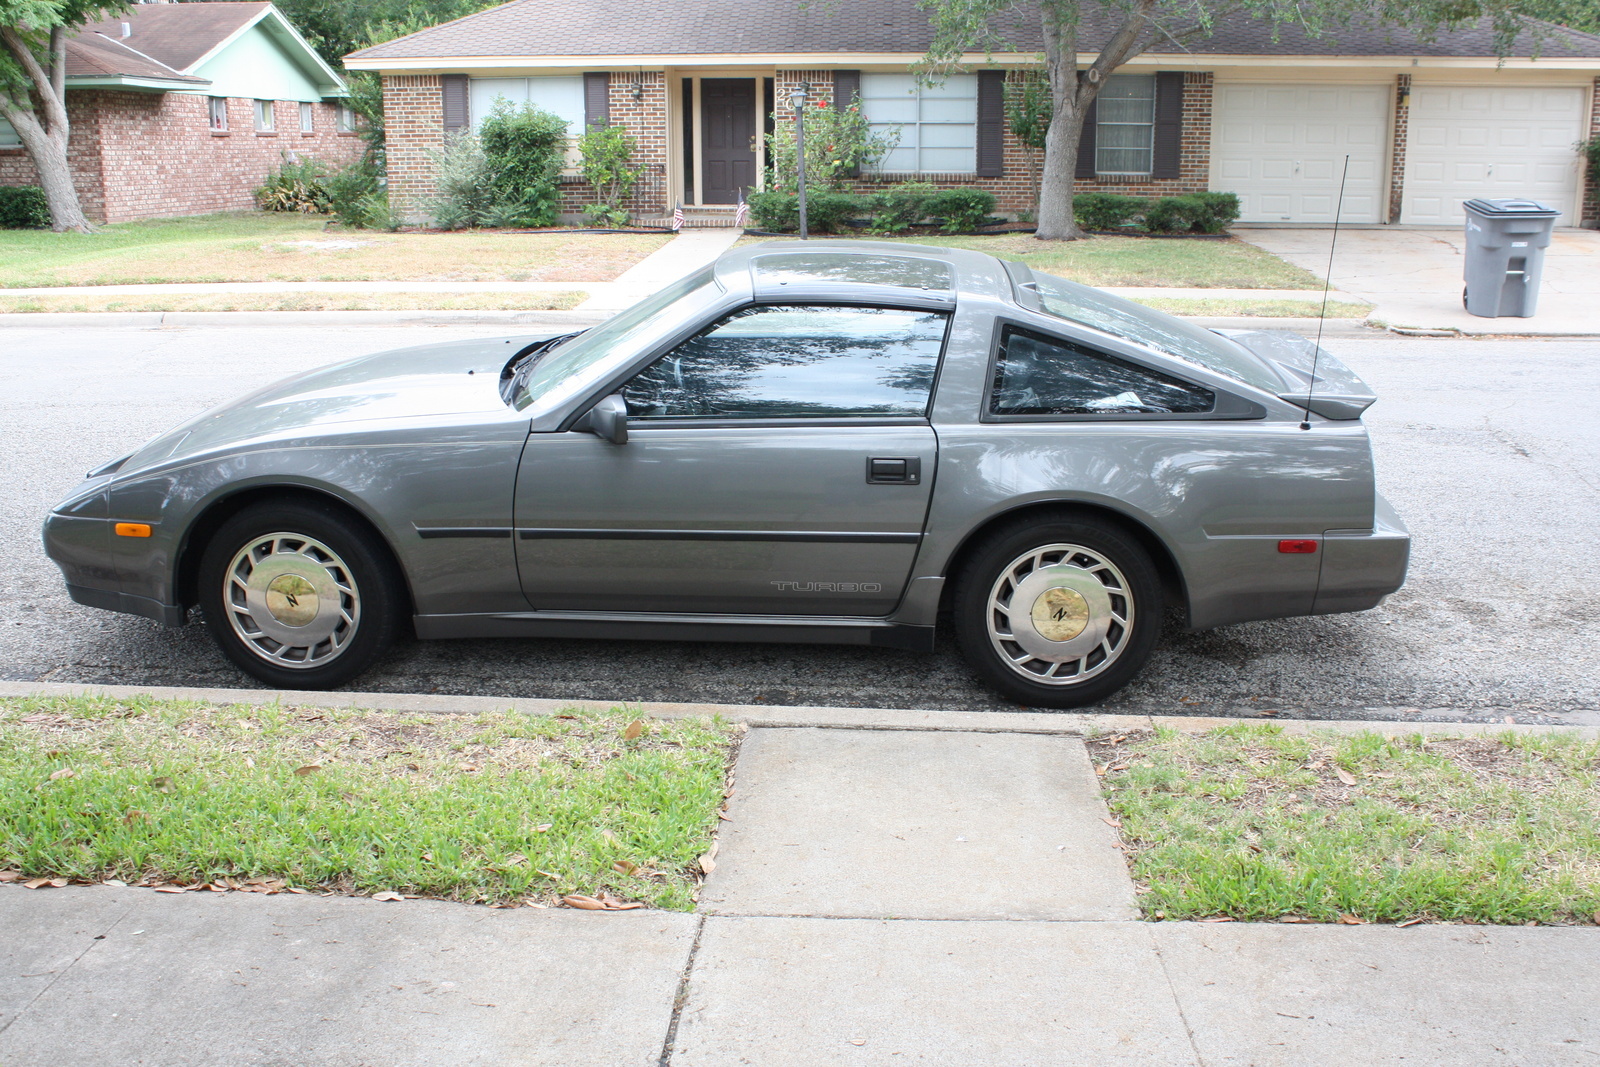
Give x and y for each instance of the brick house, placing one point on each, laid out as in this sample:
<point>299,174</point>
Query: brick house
<point>182,109</point>
<point>1426,124</point>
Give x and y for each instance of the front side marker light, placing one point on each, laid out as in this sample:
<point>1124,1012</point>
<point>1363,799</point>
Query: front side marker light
<point>1297,547</point>
<point>133,529</point>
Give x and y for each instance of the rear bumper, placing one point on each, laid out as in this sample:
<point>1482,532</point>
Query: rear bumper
<point>1361,567</point>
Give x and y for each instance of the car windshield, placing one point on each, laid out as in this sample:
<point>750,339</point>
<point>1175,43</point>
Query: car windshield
<point>1152,329</point>
<point>572,358</point>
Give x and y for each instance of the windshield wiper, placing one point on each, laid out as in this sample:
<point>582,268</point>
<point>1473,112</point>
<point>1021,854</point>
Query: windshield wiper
<point>517,368</point>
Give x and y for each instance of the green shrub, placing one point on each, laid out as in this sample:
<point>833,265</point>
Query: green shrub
<point>773,211</point>
<point>297,185</point>
<point>23,207</point>
<point>607,154</point>
<point>462,183</point>
<point>524,148</point>
<point>963,210</point>
<point>840,142</point>
<point>1176,214</point>
<point>1107,211</point>
<point>1222,210</point>
<point>826,212</point>
<point>900,207</point>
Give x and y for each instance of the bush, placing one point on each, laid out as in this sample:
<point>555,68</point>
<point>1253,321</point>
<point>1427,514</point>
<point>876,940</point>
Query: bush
<point>963,210</point>
<point>900,207</point>
<point>297,185</point>
<point>773,211</point>
<point>826,212</point>
<point>607,152</point>
<point>1175,214</point>
<point>840,142</point>
<point>356,198</point>
<point>23,207</point>
<point>1223,210</point>
<point>524,149</point>
<point>462,180</point>
<point>1107,211</point>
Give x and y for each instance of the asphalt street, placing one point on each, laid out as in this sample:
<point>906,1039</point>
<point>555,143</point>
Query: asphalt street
<point>1490,449</point>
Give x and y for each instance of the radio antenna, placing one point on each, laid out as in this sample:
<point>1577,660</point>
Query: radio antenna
<point>1327,284</point>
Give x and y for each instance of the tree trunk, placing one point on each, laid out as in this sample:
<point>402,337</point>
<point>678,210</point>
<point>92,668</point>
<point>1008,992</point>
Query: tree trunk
<point>1055,221</point>
<point>46,142</point>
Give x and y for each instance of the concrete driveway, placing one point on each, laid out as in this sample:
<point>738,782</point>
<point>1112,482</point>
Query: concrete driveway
<point>1414,276</point>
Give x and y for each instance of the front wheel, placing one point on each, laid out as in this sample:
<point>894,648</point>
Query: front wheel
<point>298,595</point>
<point>1058,614</point>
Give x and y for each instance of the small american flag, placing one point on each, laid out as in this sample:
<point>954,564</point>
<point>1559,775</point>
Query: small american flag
<point>677,216</point>
<point>741,217</point>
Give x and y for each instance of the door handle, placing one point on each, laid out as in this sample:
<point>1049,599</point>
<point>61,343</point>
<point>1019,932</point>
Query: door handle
<point>894,470</point>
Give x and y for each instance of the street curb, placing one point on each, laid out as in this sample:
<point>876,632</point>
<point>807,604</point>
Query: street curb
<point>159,319</point>
<point>1075,724</point>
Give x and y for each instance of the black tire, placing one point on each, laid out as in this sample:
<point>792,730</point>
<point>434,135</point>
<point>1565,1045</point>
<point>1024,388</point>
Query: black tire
<point>1123,574</point>
<point>357,595</point>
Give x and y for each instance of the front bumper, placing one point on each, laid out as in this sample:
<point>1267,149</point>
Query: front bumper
<point>112,600</point>
<point>81,545</point>
<point>1361,567</point>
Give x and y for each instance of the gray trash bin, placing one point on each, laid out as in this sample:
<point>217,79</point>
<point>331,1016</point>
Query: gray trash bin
<point>1506,240</point>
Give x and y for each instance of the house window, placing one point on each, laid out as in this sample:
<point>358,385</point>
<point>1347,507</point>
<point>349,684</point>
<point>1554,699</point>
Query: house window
<point>307,119</point>
<point>266,121</point>
<point>219,114</point>
<point>938,124</point>
<point>345,119</point>
<point>1125,124</point>
<point>561,96</point>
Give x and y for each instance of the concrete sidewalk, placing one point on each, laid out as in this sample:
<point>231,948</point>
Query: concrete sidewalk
<point>881,897</point>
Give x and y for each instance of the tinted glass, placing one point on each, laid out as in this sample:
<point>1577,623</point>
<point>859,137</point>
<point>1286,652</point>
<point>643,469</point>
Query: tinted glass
<point>1035,376</point>
<point>1152,329</point>
<point>797,362</point>
<point>854,267</point>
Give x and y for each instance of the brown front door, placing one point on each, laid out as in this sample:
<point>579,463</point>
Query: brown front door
<point>727,139</point>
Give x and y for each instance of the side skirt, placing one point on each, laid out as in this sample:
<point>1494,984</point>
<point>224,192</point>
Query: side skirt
<point>624,626</point>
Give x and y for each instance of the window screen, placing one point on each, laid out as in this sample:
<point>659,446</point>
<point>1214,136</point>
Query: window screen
<point>797,362</point>
<point>938,124</point>
<point>1036,375</point>
<point>307,119</point>
<point>561,96</point>
<point>266,119</point>
<point>218,112</point>
<point>1125,124</point>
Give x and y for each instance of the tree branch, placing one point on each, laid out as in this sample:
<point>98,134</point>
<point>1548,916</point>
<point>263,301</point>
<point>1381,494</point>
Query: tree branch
<point>55,112</point>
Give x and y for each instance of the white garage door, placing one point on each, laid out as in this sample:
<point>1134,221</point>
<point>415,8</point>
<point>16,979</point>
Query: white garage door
<point>1282,149</point>
<point>1491,143</point>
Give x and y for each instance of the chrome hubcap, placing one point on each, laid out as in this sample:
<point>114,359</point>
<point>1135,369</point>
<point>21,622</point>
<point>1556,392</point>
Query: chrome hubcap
<point>1060,614</point>
<point>291,600</point>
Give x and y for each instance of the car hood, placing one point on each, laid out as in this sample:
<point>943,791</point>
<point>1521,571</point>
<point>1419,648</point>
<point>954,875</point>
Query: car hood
<point>457,378</point>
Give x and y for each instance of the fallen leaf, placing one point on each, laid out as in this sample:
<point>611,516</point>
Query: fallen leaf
<point>625,866</point>
<point>36,883</point>
<point>10,876</point>
<point>1113,823</point>
<point>634,730</point>
<point>309,768</point>
<point>516,859</point>
<point>1219,919</point>
<point>615,904</point>
<point>708,861</point>
<point>36,718</point>
<point>1596,918</point>
<point>171,889</point>
<point>1344,776</point>
<point>1408,922</point>
<point>163,785</point>
<point>297,889</point>
<point>543,828</point>
<point>1295,919</point>
<point>858,1041</point>
<point>724,816</point>
<point>387,894</point>
<point>1351,920</point>
<point>215,888</point>
<point>578,900</point>
<point>65,772</point>
<point>1100,771</point>
<point>468,767</point>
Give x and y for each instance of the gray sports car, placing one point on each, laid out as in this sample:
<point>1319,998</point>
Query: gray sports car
<point>845,443</point>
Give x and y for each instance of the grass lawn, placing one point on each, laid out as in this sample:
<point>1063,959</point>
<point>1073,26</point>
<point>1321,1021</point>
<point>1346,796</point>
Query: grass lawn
<point>266,247</point>
<point>551,301</point>
<point>498,808</point>
<point>1249,822</point>
<point>1207,264</point>
<point>1267,309</point>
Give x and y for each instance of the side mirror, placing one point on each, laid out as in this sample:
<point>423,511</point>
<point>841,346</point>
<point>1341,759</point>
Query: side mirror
<point>607,419</point>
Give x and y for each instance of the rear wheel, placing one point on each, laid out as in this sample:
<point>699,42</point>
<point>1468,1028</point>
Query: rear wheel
<point>1058,614</point>
<point>298,595</point>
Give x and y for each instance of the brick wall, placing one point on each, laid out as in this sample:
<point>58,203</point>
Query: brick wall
<point>638,102</point>
<point>413,118</point>
<point>153,155</point>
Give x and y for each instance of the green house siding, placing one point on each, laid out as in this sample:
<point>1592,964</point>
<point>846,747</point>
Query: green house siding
<point>255,66</point>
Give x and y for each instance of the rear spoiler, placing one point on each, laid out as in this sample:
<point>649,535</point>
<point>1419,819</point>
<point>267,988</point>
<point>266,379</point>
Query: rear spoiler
<point>1338,393</point>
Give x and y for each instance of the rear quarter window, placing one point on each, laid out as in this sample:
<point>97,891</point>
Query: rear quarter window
<point>1035,375</point>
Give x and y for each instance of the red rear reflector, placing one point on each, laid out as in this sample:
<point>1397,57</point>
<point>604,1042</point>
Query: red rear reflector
<point>1297,547</point>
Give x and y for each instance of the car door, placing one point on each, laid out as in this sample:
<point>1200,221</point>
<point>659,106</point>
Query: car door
<point>778,463</point>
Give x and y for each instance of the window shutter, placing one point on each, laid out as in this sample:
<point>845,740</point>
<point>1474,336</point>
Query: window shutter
<point>596,99</point>
<point>456,116</point>
<point>1086,167</point>
<point>991,123</point>
<point>1168,142</point>
<point>846,91</point>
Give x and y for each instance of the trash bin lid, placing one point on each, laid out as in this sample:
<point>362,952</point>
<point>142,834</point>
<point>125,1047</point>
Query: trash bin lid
<point>1514,206</point>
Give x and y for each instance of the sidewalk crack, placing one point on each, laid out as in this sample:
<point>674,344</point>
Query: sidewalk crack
<point>58,975</point>
<point>1177,1002</point>
<point>682,996</point>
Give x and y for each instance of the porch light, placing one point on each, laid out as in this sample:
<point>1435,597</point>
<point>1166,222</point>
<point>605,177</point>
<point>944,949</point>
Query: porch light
<point>797,100</point>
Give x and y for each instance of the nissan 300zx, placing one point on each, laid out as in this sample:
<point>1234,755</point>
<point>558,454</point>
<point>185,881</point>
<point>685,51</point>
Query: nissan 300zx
<point>849,443</point>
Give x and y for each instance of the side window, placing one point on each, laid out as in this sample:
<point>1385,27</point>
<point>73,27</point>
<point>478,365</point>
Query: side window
<point>1035,375</point>
<point>797,362</point>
